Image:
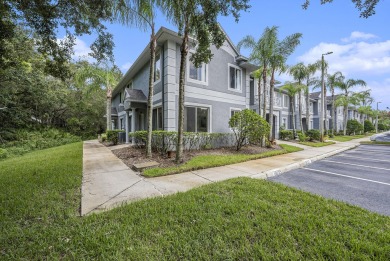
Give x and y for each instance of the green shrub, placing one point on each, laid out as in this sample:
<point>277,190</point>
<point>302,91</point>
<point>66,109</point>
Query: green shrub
<point>248,127</point>
<point>3,153</point>
<point>301,136</point>
<point>354,127</point>
<point>286,135</point>
<point>112,136</point>
<point>368,126</point>
<point>382,127</point>
<point>313,135</point>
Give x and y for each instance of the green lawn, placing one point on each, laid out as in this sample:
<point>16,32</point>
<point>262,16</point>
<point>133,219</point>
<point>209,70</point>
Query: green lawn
<point>316,144</point>
<point>209,161</point>
<point>236,219</point>
<point>347,138</point>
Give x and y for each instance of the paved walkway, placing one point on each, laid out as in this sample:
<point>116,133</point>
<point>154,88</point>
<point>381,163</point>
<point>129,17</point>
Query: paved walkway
<point>108,182</point>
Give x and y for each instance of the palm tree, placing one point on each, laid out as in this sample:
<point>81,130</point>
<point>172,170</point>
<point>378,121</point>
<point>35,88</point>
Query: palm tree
<point>292,89</point>
<point>331,80</point>
<point>310,71</point>
<point>95,77</point>
<point>364,99</point>
<point>261,51</point>
<point>299,72</point>
<point>142,14</point>
<point>346,86</point>
<point>281,51</point>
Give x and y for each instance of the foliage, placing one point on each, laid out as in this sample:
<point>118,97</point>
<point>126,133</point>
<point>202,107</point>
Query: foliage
<point>366,7</point>
<point>347,138</point>
<point>198,19</point>
<point>248,127</point>
<point>215,221</point>
<point>113,136</point>
<point>209,161</point>
<point>164,141</point>
<point>3,153</point>
<point>313,135</point>
<point>368,126</point>
<point>45,18</point>
<point>286,135</point>
<point>383,127</point>
<point>353,127</point>
<point>301,136</point>
<point>24,141</point>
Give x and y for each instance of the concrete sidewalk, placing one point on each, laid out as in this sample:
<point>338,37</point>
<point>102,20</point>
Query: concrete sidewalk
<point>108,182</point>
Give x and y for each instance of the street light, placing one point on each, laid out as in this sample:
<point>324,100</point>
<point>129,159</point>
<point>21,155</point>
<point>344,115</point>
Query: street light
<point>322,96</point>
<point>377,112</point>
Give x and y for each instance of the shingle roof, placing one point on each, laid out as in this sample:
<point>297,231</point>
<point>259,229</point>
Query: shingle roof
<point>135,95</point>
<point>315,95</point>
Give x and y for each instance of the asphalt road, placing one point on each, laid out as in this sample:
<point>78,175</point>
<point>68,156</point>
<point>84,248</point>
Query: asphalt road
<point>360,177</point>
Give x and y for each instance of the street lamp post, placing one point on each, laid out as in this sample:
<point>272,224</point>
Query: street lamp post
<point>323,106</point>
<point>376,122</point>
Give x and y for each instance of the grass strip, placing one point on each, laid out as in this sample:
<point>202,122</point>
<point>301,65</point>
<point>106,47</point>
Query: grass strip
<point>347,138</point>
<point>209,161</point>
<point>317,144</point>
<point>237,219</point>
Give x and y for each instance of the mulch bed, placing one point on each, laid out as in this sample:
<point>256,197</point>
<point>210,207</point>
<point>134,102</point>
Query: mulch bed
<point>133,155</point>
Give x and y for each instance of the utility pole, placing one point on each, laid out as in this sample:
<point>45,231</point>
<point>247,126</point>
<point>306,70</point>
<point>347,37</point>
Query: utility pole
<point>323,98</point>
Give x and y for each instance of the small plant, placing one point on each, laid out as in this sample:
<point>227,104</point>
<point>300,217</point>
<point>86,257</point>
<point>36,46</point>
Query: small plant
<point>3,153</point>
<point>313,135</point>
<point>368,126</point>
<point>286,135</point>
<point>112,136</point>
<point>248,127</point>
<point>301,136</point>
<point>354,127</point>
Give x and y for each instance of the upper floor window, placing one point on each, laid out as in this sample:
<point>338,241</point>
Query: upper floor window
<point>157,69</point>
<point>235,77</point>
<point>197,73</point>
<point>285,100</point>
<point>234,111</point>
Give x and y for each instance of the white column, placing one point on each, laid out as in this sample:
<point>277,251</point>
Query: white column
<point>133,124</point>
<point>127,127</point>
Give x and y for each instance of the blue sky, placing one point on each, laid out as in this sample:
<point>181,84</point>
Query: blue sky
<point>361,47</point>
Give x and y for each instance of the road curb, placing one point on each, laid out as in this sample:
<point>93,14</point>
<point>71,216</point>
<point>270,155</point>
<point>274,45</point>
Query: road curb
<point>278,171</point>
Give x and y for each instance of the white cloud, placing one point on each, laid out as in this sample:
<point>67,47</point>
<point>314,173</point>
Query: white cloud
<point>380,90</point>
<point>356,35</point>
<point>353,58</point>
<point>80,49</point>
<point>126,66</point>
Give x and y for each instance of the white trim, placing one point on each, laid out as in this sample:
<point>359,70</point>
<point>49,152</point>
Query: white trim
<point>204,81</point>
<point>238,68</point>
<point>192,104</point>
<point>216,96</point>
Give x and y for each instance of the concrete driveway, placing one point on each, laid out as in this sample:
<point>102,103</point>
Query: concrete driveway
<point>359,176</point>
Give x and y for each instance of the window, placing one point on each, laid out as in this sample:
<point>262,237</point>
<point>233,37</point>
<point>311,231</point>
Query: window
<point>234,78</point>
<point>284,123</point>
<point>285,100</point>
<point>122,95</point>
<point>157,69</point>
<point>122,125</point>
<point>197,74</point>
<point>311,125</point>
<point>196,119</point>
<point>234,111</point>
<point>157,119</point>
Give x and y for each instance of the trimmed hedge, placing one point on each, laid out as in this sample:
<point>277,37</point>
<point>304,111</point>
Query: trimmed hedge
<point>286,135</point>
<point>164,141</point>
<point>112,136</point>
<point>313,135</point>
<point>354,127</point>
<point>368,126</point>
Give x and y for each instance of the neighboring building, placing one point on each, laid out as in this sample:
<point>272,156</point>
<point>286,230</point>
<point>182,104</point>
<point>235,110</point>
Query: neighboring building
<point>213,92</point>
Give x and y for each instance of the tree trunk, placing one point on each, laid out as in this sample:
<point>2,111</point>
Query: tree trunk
<point>345,119</point>
<point>150,96</point>
<point>259,95</point>
<point>264,92</point>
<point>292,102</point>
<point>108,108</point>
<point>300,110</point>
<point>307,107</point>
<point>271,107</point>
<point>333,113</point>
<point>183,62</point>
<point>325,110</point>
